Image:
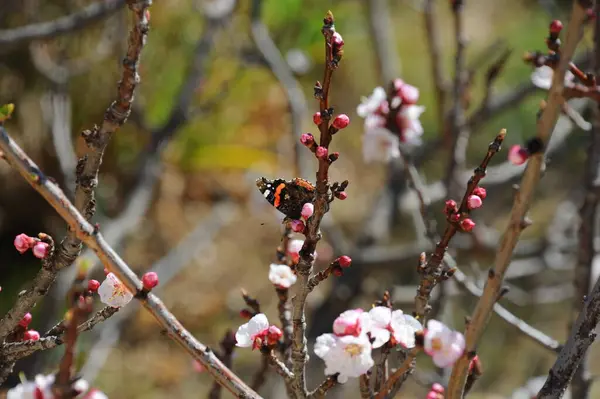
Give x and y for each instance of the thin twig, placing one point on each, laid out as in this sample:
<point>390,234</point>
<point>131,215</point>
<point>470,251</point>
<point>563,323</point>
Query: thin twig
<point>68,23</point>
<point>365,386</point>
<point>523,198</point>
<point>400,373</point>
<point>588,230</point>
<point>93,239</point>
<point>324,387</point>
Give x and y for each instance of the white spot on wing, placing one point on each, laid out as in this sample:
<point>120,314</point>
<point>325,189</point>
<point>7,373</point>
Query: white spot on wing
<point>266,193</point>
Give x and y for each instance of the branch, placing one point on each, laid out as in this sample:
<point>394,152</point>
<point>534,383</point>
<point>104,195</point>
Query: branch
<point>282,72</point>
<point>400,374</point>
<point>93,239</point>
<point>227,347</point>
<point>523,198</point>
<point>87,170</point>
<point>435,55</point>
<point>68,23</point>
<point>382,39</point>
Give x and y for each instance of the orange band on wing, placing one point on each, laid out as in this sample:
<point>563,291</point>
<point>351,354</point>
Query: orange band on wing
<point>278,194</point>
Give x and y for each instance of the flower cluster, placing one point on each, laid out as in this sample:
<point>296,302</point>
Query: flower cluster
<point>474,201</point>
<point>308,209</point>
<point>355,333</point>
<point>436,392</point>
<point>390,121</point>
<point>257,333</point>
<point>23,243</point>
<point>281,276</point>
<point>41,388</point>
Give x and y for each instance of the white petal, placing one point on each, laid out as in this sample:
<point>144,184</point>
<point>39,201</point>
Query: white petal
<point>542,77</point>
<point>413,111</point>
<point>380,336</point>
<point>258,324</point>
<point>324,344</point>
<point>242,337</point>
<point>381,315</point>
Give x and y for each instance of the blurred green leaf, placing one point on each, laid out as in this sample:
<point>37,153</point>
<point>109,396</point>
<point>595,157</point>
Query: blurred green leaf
<point>233,157</point>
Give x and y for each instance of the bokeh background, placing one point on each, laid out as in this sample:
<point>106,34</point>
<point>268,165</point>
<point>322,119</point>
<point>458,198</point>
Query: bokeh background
<point>183,187</point>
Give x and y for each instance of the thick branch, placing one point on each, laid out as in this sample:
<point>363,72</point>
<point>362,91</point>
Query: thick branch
<point>521,205</point>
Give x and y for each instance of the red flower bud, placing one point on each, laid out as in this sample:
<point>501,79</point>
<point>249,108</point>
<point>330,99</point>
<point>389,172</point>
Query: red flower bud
<point>474,202</point>
<point>317,118</point>
<point>455,217</point>
<point>338,271</point>
<point>450,207</point>
<point>245,314</point>
<point>342,195</point>
<point>298,226</point>
<point>556,26</point>
<point>480,192</point>
<point>41,250</point>
<point>344,261</point>
<point>341,121</point>
<point>321,152</point>
<point>273,335</point>
<point>307,139</point>
<point>31,335</point>
<point>26,320</point>
<point>93,285</point>
<point>150,280</point>
<point>467,224</point>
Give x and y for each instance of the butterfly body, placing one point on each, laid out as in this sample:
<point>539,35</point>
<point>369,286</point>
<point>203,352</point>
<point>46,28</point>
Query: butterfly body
<point>288,196</point>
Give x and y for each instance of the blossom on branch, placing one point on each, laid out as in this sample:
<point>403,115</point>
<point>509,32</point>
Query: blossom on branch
<point>257,332</point>
<point>352,322</point>
<point>393,325</point>
<point>41,388</point>
<point>390,121</point>
<point>348,355</point>
<point>542,77</point>
<point>113,292</point>
<point>444,345</point>
<point>281,276</point>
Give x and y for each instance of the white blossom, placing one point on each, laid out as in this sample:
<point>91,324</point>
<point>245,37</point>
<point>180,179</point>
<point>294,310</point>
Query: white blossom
<point>442,344</point>
<point>370,104</point>
<point>41,388</point>
<point>347,355</point>
<point>410,124</point>
<point>113,292</point>
<point>281,276</point>
<point>257,327</point>
<point>380,145</point>
<point>542,77</point>
<point>387,324</point>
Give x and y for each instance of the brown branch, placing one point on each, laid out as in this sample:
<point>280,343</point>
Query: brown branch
<point>400,374</point>
<point>432,271</point>
<point>227,347</point>
<point>321,202</point>
<point>435,55</point>
<point>260,377</point>
<point>521,205</point>
<point>68,23</point>
<point>285,318</point>
<point>365,386</point>
<point>87,171</point>
<point>280,368</point>
<point>93,239</point>
<point>324,387</point>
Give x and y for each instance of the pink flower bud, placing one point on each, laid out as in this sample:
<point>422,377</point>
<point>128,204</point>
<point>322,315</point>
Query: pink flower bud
<point>273,335</point>
<point>344,261</point>
<point>150,280</point>
<point>517,155</point>
<point>398,83</point>
<point>409,94</point>
<point>341,121</point>
<point>437,388</point>
<point>307,139</point>
<point>307,210</point>
<point>26,320</point>
<point>474,202</point>
<point>337,271</point>
<point>317,118</point>
<point>337,40</point>
<point>321,152</point>
<point>147,14</point>
<point>450,207</point>
<point>41,249</point>
<point>467,224</point>
<point>342,195</point>
<point>23,242</point>
<point>455,217</point>
<point>31,335</point>
<point>480,192</point>
<point>93,285</point>
<point>298,226</point>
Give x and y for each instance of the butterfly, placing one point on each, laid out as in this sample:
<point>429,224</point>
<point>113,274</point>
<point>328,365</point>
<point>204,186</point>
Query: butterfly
<point>288,197</point>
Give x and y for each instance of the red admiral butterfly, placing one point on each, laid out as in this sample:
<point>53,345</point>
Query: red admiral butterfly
<point>287,196</point>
